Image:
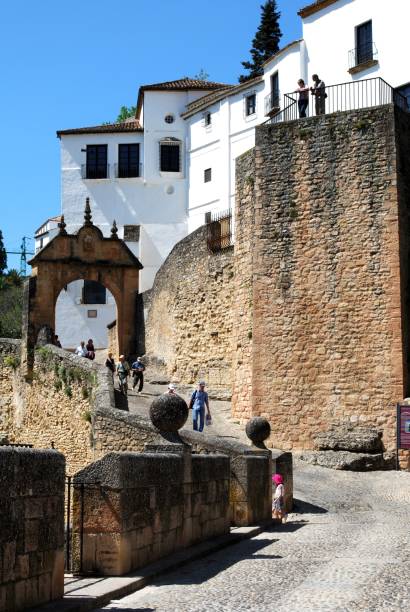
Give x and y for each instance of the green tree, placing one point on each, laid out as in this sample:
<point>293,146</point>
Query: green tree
<point>126,112</point>
<point>202,75</point>
<point>13,278</point>
<point>11,303</point>
<point>266,41</point>
<point>3,255</point>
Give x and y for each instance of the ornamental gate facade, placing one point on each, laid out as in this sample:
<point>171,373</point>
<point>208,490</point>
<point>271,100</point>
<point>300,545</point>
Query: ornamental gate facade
<point>87,255</point>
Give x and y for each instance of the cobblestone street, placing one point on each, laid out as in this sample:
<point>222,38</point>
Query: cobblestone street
<point>345,549</point>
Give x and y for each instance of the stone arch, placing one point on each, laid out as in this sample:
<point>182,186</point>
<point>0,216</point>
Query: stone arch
<point>87,254</point>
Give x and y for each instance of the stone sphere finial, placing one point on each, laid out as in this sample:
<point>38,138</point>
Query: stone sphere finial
<point>258,430</point>
<point>168,413</point>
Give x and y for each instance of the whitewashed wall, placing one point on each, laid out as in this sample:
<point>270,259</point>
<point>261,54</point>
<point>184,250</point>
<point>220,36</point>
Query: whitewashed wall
<point>330,35</point>
<point>289,64</point>
<point>72,323</point>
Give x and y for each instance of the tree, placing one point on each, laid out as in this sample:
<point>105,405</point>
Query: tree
<point>202,75</point>
<point>125,113</point>
<point>3,255</point>
<point>266,41</point>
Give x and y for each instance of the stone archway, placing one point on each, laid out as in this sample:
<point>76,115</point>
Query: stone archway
<point>86,254</point>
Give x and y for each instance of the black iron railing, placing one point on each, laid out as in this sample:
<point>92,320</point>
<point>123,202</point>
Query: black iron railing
<point>128,171</point>
<point>220,234</point>
<point>99,171</point>
<point>362,54</point>
<point>272,102</point>
<point>341,97</point>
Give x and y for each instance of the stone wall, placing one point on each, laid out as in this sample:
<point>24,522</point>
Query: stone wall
<point>329,274</point>
<point>31,527</point>
<point>136,508</point>
<point>54,409</point>
<point>189,322</point>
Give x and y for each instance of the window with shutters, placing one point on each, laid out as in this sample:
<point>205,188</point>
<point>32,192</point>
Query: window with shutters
<point>364,43</point>
<point>94,293</point>
<point>170,155</point>
<point>250,104</point>
<point>96,166</point>
<point>128,160</point>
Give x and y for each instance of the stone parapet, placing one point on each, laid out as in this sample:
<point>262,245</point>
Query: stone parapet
<point>130,509</point>
<point>31,527</point>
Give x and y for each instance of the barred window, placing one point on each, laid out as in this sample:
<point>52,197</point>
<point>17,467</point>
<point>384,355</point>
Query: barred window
<point>207,175</point>
<point>170,155</point>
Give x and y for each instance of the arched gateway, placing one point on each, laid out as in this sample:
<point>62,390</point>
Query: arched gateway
<point>84,255</point>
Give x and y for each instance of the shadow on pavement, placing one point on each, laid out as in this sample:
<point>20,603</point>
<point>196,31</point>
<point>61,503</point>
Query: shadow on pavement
<point>304,507</point>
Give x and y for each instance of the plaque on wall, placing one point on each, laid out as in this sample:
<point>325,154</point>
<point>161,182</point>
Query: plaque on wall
<point>92,314</point>
<point>131,233</point>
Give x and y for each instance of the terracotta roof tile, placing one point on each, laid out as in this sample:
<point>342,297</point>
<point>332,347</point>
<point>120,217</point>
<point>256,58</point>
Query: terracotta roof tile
<point>183,84</point>
<point>215,96</point>
<point>314,7</point>
<point>129,125</point>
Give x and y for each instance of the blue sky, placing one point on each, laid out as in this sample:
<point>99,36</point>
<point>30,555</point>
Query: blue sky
<point>72,64</point>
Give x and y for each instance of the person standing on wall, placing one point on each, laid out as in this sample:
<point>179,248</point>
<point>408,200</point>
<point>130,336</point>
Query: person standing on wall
<point>199,400</point>
<point>303,102</point>
<point>138,374</point>
<point>319,91</point>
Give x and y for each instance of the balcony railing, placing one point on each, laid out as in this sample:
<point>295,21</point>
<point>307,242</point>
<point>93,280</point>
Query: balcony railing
<point>100,171</point>
<point>272,103</point>
<point>219,227</point>
<point>362,55</point>
<point>341,97</point>
<point>130,171</point>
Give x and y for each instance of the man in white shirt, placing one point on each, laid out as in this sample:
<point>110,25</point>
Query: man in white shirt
<point>81,351</point>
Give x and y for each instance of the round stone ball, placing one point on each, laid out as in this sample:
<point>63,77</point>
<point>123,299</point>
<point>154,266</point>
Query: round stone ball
<point>168,412</point>
<point>258,429</point>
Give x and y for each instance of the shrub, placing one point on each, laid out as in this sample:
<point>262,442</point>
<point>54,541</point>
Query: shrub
<point>12,362</point>
<point>68,391</point>
<point>86,416</point>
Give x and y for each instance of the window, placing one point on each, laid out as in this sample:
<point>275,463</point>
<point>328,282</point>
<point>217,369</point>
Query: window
<point>250,104</point>
<point>128,160</point>
<point>364,43</point>
<point>131,233</point>
<point>96,167</point>
<point>207,119</point>
<point>94,293</point>
<point>207,175</point>
<point>170,155</point>
<point>274,90</point>
<point>169,118</point>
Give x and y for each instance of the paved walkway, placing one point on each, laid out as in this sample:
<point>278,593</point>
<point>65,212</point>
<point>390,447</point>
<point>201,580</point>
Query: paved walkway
<point>347,549</point>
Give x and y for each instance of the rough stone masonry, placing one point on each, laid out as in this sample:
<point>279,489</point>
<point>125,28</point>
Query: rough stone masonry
<point>329,274</point>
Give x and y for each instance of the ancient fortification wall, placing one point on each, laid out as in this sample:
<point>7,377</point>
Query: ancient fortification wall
<point>327,340</point>
<point>189,322</point>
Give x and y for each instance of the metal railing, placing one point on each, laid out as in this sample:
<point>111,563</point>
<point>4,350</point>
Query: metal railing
<point>129,171</point>
<point>272,102</point>
<point>362,54</point>
<point>220,235</point>
<point>349,96</point>
<point>99,171</point>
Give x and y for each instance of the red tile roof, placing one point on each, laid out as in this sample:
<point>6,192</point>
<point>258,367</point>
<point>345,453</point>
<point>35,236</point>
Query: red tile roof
<point>130,125</point>
<point>315,7</point>
<point>215,96</point>
<point>185,84</point>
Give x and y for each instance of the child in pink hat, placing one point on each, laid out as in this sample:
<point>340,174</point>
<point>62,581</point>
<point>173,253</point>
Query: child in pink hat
<point>278,504</point>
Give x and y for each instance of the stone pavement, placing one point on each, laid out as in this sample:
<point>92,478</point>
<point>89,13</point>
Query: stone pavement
<point>346,549</point>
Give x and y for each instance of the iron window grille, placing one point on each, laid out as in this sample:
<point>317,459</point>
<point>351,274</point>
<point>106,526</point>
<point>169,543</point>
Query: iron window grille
<point>208,175</point>
<point>170,155</point>
<point>219,231</point>
<point>94,293</point>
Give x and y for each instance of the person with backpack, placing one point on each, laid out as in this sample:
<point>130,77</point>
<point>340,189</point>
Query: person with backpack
<point>138,374</point>
<point>199,400</point>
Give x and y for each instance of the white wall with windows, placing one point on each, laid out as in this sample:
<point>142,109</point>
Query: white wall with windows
<point>331,33</point>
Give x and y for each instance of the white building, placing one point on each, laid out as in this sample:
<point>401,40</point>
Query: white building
<point>158,175</point>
